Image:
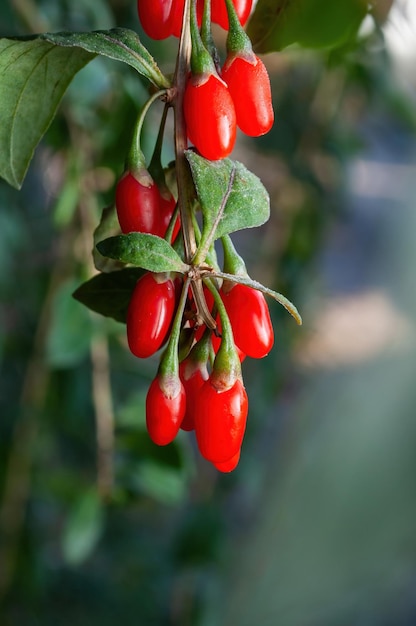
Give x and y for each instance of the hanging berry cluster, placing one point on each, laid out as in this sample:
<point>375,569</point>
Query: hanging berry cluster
<point>208,318</point>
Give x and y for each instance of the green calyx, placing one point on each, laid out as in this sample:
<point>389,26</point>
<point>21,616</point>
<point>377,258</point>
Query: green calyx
<point>201,60</point>
<point>233,262</point>
<point>238,42</point>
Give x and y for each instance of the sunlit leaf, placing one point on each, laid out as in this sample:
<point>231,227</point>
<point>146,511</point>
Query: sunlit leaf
<point>143,250</point>
<point>120,44</point>
<point>231,197</point>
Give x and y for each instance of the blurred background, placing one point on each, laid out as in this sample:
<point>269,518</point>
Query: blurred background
<point>316,526</point>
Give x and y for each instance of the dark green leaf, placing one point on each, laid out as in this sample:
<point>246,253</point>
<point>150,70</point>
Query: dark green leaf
<point>83,528</point>
<point>109,294</point>
<point>108,227</point>
<point>33,78</point>
<point>231,197</point>
<point>143,250</point>
<point>120,44</point>
<point>320,24</point>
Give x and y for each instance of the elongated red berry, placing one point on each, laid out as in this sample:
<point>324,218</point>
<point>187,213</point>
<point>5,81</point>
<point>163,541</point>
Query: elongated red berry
<point>150,314</point>
<point>220,421</point>
<point>166,208</point>
<point>137,204</point>
<point>249,85</point>
<point>156,17</point>
<point>210,116</point>
<point>177,15</point>
<point>250,320</point>
<point>219,13</point>
<point>230,465</point>
<point>193,376</point>
<point>165,408</point>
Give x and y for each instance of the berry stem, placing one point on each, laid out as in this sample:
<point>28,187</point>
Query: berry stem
<point>155,165</point>
<point>183,175</point>
<point>135,159</point>
<point>169,363</point>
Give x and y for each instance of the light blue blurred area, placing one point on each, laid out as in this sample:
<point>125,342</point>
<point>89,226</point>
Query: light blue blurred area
<point>334,541</point>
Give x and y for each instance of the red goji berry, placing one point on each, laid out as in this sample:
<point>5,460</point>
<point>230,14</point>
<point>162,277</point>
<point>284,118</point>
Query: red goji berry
<point>177,15</point>
<point>220,421</point>
<point>219,13</point>
<point>193,376</point>
<point>166,208</point>
<point>250,320</point>
<point>150,314</point>
<point>137,204</point>
<point>210,116</point>
<point>249,85</point>
<point>230,465</point>
<point>165,409</point>
<point>156,17</point>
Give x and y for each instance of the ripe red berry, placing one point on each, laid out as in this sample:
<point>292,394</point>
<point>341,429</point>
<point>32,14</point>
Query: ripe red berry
<point>166,208</point>
<point>249,85</point>
<point>193,376</point>
<point>165,409</point>
<point>230,465</point>
<point>137,204</point>
<point>210,116</point>
<point>177,15</point>
<point>219,13</point>
<point>220,421</point>
<point>156,17</point>
<point>150,314</point>
<point>250,320</point>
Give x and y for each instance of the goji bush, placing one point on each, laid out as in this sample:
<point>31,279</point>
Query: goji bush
<point>173,219</point>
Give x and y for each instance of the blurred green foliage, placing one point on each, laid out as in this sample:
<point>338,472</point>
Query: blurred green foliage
<point>96,523</point>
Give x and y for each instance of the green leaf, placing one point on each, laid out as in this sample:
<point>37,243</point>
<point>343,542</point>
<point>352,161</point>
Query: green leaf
<point>120,44</point>
<point>34,74</point>
<point>231,197</point>
<point>83,528</point>
<point>276,24</point>
<point>109,294</point>
<point>33,78</point>
<point>150,252</point>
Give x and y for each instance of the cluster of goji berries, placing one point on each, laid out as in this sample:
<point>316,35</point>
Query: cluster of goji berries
<point>208,326</point>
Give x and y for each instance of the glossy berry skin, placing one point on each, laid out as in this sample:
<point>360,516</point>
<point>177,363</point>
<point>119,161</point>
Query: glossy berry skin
<point>165,212</point>
<point>230,465</point>
<point>137,205</point>
<point>164,412</point>
<point>219,13</point>
<point>249,86</point>
<point>150,314</point>
<point>210,116</point>
<point>156,17</point>
<point>177,15</point>
<point>192,382</point>
<point>221,421</point>
<point>250,320</point>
